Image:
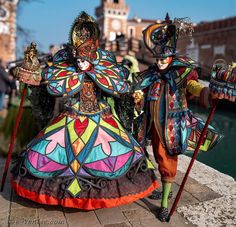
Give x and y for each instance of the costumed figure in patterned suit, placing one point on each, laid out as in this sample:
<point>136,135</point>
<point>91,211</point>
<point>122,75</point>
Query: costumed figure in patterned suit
<point>162,93</point>
<point>84,158</point>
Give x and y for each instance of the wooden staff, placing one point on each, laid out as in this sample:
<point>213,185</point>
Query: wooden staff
<point>13,137</point>
<point>204,131</point>
<point>28,73</point>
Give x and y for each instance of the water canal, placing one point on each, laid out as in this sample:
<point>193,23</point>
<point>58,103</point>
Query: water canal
<point>223,156</point>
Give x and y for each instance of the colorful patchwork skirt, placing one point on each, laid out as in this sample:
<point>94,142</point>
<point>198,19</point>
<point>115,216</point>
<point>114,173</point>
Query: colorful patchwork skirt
<point>84,162</point>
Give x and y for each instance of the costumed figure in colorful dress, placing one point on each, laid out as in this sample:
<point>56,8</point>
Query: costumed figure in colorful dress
<point>162,93</point>
<point>84,158</point>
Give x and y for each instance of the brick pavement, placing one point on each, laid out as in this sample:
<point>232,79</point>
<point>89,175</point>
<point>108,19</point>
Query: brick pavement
<point>16,211</point>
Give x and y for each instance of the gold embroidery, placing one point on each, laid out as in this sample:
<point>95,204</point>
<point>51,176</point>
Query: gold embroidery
<point>88,99</point>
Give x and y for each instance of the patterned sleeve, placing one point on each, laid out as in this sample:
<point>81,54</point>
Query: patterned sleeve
<point>197,89</point>
<point>194,87</point>
<point>62,78</point>
<point>108,75</point>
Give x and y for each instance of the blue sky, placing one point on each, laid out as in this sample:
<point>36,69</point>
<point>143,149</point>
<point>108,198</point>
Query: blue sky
<point>49,20</point>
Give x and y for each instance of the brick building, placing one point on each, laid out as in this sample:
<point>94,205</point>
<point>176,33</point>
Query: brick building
<point>211,41</point>
<point>8,29</point>
<point>112,17</point>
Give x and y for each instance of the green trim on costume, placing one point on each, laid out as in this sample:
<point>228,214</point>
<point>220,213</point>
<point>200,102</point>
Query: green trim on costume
<point>165,194</point>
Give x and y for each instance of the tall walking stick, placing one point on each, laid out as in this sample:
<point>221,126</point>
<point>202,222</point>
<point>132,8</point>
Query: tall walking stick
<point>28,73</point>
<point>223,86</point>
<point>204,131</point>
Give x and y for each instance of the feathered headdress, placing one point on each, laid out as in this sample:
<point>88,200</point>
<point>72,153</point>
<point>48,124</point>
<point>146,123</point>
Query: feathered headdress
<point>161,38</point>
<point>84,36</point>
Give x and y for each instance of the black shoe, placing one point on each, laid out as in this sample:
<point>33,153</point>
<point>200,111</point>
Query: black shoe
<point>158,195</point>
<point>163,215</point>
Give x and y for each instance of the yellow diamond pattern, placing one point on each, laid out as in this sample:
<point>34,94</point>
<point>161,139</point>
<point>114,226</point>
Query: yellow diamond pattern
<point>75,166</point>
<point>73,135</point>
<point>149,164</point>
<point>74,187</point>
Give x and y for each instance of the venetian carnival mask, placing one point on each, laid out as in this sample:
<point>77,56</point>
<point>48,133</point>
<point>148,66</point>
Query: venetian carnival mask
<point>83,65</point>
<point>163,63</point>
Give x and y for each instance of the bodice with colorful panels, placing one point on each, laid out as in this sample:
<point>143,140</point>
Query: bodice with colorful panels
<point>64,78</point>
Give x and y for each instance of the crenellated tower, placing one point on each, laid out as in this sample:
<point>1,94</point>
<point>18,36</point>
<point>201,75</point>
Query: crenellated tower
<point>112,17</point>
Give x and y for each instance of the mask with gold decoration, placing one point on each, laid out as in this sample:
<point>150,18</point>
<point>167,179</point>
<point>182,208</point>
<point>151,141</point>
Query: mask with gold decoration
<point>83,38</point>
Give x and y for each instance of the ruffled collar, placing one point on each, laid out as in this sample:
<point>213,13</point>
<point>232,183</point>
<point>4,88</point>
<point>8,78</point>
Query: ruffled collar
<point>172,75</point>
<point>64,79</point>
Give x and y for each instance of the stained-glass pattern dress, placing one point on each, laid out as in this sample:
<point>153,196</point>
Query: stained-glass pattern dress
<point>84,158</point>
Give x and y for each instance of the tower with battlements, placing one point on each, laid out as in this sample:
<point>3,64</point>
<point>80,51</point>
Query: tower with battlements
<point>112,18</point>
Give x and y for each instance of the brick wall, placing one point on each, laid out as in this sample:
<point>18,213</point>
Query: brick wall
<point>211,41</point>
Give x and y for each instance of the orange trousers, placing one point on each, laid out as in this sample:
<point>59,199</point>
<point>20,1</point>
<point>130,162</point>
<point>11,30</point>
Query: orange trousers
<point>167,165</point>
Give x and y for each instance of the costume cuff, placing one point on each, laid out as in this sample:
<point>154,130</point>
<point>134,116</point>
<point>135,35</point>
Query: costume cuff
<point>205,98</point>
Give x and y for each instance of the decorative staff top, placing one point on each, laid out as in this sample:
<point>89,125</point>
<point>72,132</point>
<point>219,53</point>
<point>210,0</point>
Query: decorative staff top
<point>29,72</point>
<point>223,81</point>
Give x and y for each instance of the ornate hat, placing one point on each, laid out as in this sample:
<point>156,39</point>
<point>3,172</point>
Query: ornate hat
<point>84,36</point>
<point>161,38</point>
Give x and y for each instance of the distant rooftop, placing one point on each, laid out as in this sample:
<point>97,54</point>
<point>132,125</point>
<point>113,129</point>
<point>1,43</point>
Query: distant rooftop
<point>216,24</point>
<point>141,20</point>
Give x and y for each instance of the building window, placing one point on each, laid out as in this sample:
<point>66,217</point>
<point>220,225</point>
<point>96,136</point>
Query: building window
<point>219,50</point>
<point>131,32</point>
<point>116,1</point>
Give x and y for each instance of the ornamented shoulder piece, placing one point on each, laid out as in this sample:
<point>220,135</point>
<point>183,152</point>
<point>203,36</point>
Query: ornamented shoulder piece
<point>29,72</point>
<point>223,82</point>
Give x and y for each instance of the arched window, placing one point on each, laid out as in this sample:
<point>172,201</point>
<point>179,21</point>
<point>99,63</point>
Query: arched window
<point>131,31</point>
<point>116,1</point>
